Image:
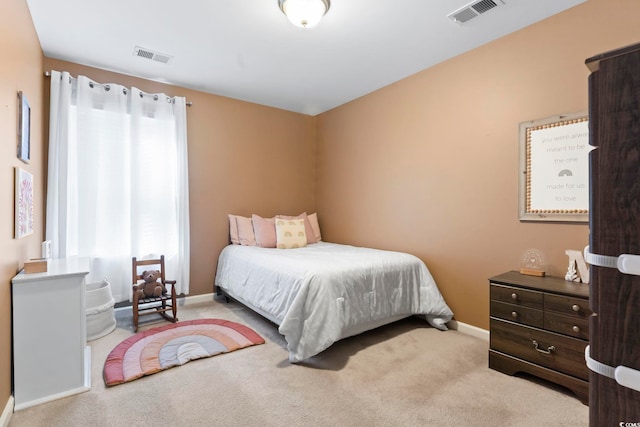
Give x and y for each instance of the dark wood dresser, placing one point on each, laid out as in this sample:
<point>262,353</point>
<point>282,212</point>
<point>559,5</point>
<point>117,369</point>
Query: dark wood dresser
<point>540,326</point>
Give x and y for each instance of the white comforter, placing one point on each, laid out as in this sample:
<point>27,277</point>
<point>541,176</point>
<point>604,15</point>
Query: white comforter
<point>325,291</point>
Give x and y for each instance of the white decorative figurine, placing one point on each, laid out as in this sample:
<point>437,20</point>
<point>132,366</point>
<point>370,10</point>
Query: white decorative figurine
<point>572,274</point>
<point>576,260</point>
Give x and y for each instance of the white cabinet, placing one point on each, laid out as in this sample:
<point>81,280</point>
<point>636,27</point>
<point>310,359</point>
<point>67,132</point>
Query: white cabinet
<point>51,358</point>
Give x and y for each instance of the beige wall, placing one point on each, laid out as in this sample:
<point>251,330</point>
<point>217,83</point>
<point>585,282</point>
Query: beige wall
<point>429,165</point>
<point>20,71</point>
<point>243,158</point>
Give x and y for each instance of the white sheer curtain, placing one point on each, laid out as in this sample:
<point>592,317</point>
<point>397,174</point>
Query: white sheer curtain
<point>117,179</point>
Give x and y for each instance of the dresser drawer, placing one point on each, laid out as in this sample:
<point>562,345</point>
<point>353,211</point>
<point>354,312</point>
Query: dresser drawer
<point>516,296</point>
<point>554,351</point>
<point>516,313</point>
<point>569,325</point>
<point>568,306</point>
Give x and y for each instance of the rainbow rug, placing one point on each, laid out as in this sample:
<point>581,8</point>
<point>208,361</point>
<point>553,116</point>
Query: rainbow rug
<point>175,344</point>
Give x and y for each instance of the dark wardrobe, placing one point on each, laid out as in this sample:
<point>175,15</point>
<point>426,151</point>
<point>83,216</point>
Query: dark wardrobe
<point>614,222</point>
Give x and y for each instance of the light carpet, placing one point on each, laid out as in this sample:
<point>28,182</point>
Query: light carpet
<point>403,374</point>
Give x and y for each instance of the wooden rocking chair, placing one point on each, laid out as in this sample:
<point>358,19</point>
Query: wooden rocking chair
<point>150,305</point>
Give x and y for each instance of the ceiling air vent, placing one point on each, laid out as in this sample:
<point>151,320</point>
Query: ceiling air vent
<point>149,54</point>
<point>472,10</point>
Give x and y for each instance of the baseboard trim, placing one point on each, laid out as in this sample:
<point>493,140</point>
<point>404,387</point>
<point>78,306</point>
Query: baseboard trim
<point>7,412</point>
<point>195,299</point>
<point>469,329</point>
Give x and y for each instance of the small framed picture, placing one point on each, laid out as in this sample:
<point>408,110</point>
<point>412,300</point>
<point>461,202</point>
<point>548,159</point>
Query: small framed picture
<point>24,203</point>
<point>24,128</point>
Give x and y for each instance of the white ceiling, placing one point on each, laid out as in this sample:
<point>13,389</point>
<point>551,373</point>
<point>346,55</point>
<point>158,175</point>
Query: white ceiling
<point>248,50</point>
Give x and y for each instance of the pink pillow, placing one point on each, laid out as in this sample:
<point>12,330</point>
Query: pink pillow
<point>265,231</point>
<point>233,230</point>
<point>311,237</point>
<point>313,220</point>
<point>245,231</point>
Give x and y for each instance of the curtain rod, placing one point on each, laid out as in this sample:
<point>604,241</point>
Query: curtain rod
<point>48,74</point>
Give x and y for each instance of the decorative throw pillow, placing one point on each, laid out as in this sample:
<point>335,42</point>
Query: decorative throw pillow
<point>311,237</point>
<point>315,226</point>
<point>245,231</point>
<point>290,233</point>
<point>265,231</point>
<point>233,230</point>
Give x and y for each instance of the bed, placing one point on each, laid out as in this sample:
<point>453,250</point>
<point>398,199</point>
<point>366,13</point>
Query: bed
<point>324,291</point>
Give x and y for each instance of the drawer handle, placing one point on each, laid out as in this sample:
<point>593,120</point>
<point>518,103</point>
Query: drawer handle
<point>575,329</point>
<point>549,349</point>
<point>575,307</point>
<point>514,296</point>
<point>514,314</point>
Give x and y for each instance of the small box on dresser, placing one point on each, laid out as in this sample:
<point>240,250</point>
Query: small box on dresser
<point>540,326</point>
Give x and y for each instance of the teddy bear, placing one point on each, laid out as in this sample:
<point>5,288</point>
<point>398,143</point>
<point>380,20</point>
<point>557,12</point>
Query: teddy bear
<point>151,286</point>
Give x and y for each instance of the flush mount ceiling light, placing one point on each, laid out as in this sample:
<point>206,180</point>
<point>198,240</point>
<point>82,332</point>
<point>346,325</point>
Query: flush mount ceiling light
<point>304,13</point>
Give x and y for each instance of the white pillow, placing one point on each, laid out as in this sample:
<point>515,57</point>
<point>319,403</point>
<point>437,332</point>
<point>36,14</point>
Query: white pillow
<point>311,237</point>
<point>290,233</point>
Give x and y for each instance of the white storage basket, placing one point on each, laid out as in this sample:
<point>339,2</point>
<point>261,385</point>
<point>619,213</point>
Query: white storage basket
<point>99,301</point>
